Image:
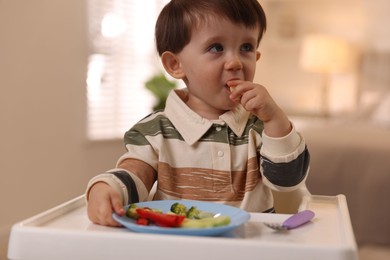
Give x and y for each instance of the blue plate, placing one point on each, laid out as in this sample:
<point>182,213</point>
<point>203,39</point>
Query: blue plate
<point>237,216</point>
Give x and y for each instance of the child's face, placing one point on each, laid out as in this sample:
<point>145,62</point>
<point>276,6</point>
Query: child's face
<point>218,51</point>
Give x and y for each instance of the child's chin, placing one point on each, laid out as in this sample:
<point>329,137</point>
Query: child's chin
<point>232,105</point>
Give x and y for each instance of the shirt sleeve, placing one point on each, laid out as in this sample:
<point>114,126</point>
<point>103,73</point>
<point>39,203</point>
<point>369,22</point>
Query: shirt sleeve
<point>129,186</point>
<point>284,161</point>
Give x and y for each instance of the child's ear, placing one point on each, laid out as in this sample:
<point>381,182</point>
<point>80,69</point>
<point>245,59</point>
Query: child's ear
<point>172,65</point>
<point>258,55</point>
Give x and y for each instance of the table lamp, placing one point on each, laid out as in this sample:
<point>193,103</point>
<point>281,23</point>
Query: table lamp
<point>326,54</point>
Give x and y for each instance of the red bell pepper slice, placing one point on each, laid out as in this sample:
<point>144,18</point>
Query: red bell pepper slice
<point>161,219</point>
<point>142,221</point>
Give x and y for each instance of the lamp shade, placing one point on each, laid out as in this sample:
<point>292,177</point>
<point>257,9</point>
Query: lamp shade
<point>326,54</point>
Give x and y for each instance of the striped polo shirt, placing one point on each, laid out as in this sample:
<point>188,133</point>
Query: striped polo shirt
<point>229,160</point>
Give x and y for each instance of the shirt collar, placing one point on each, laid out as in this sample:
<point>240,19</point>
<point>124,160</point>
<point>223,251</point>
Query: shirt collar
<point>191,125</point>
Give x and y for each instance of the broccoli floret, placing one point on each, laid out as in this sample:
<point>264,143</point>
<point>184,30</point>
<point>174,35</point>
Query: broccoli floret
<point>193,212</point>
<point>179,209</point>
<point>132,211</point>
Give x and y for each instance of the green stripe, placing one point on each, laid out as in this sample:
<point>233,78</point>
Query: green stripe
<point>253,124</point>
<point>161,125</point>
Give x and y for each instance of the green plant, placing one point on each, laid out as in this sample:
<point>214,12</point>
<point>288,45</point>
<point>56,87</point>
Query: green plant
<point>160,86</point>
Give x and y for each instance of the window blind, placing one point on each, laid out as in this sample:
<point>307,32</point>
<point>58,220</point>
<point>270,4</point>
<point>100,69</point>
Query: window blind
<point>122,57</point>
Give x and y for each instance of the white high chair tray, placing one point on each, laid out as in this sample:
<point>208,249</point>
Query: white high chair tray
<point>64,232</point>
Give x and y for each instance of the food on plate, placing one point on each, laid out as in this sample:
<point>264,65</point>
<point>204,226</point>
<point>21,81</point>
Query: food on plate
<point>161,219</point>
<point>206,222</point>
<point>192,213</point>
<point>179,209</point>
<point>178,216</point>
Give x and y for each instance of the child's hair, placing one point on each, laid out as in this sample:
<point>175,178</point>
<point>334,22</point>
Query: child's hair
<point>178,18</point>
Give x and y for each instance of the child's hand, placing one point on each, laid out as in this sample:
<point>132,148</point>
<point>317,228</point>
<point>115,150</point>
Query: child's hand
<point>102,201</point>
<point>256,99</point>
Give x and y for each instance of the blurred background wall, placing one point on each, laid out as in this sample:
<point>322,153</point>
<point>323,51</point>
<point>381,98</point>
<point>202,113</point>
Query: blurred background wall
<point>45,157</point>
<point>362,24</point>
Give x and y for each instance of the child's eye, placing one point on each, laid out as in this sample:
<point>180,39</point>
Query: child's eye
<point>215,48</point>
<point>247,47</point>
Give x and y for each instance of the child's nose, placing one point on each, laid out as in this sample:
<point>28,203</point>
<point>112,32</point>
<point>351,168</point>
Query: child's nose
<point>233,63</point>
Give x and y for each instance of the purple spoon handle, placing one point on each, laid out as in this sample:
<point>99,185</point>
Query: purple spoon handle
<point>298,219</point>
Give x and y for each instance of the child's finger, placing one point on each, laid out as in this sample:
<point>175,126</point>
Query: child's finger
<point>232,84</point>
<point>117,205</point>
<point>235,97</point>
